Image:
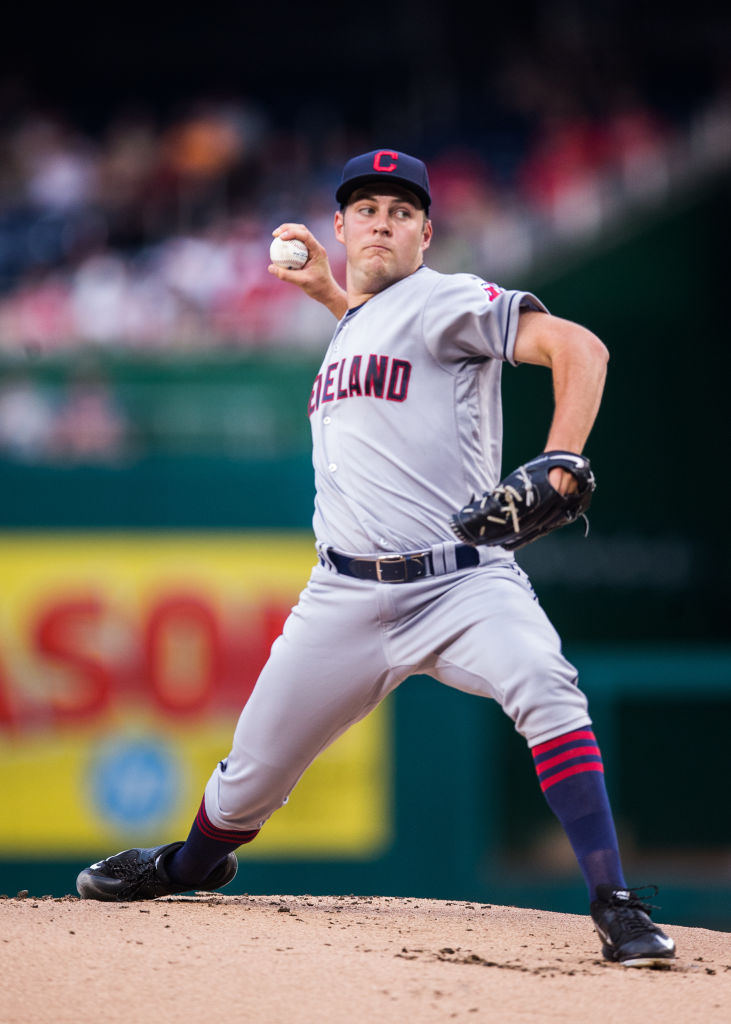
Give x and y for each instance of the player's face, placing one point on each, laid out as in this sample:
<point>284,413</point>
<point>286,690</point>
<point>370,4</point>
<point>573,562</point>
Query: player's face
<point>385,235</point>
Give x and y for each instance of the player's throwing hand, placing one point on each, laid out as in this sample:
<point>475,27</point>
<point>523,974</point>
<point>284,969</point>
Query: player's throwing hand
<point>315,278</point>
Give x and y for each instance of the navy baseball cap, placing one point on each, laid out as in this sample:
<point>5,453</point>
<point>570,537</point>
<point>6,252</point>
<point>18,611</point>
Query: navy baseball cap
<point>382,165</point>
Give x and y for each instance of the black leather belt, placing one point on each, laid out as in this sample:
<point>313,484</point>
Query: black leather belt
<point>398,568</point>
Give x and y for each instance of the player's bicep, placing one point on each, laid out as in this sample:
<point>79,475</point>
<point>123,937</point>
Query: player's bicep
<point>546,340</point>
<point>533,338</point>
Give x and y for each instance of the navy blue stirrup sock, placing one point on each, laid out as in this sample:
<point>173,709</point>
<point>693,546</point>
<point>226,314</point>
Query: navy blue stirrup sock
<point>203,850</point>
<point>571,775</point>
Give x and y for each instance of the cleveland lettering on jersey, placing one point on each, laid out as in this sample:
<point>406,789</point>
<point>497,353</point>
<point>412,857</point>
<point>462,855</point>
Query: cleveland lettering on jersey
<point>371,376</point>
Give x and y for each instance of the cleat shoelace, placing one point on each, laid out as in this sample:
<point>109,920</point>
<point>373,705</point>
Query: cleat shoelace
<point>129,870</point>
<point>635,917</point>
<point>636,923</point>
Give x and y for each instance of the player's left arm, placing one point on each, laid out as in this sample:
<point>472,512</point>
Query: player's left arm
<point>578,363</point>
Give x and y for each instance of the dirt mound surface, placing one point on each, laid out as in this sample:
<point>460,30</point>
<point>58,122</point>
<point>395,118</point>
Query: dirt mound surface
<point>315,959</point>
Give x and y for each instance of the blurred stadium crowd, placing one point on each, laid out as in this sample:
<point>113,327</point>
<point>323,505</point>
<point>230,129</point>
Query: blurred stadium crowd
<point>155,236</point>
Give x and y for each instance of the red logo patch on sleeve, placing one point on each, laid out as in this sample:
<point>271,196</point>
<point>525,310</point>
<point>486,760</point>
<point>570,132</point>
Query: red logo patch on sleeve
<point>492,290</point>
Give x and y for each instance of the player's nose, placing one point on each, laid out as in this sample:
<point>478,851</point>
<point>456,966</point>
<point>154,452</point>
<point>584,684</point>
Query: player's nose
<point>381,222</point>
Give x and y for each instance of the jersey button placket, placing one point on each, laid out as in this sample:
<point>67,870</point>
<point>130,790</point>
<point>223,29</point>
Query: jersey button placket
<point>338,338</point>
<point>330,440</point>
<point>328,421</point>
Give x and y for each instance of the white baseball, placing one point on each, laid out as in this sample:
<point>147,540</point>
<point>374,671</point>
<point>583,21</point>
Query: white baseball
<point>288,253</point>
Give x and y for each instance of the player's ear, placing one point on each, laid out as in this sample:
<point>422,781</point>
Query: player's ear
<point>339,220</point>
<point>428,232</point>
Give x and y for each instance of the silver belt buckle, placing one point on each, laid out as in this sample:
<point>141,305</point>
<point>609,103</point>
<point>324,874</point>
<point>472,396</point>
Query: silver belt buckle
<point>390,560</point>
<point>396,560</point>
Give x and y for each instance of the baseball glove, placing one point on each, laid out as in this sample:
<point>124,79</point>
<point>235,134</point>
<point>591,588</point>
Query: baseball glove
<point>524,506</point>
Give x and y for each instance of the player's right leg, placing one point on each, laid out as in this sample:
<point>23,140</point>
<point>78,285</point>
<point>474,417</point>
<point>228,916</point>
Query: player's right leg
<point>325,672</point>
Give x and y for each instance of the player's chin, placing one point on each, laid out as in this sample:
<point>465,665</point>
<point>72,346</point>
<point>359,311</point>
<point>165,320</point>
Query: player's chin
<point>377,276</point>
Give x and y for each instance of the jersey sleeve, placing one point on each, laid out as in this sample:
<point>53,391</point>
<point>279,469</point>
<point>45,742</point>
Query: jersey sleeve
<point>465,316</point>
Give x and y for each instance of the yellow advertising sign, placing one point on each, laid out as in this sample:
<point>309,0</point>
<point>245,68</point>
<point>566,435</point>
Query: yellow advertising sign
<point>124,663</point>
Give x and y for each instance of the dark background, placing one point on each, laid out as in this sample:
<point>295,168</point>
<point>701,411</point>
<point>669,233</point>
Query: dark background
<point>429,70</point>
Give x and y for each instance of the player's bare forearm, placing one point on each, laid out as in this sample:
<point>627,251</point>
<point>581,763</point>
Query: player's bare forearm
<point>578,363</point>
<point>579,372</point>
<point>315,278</point>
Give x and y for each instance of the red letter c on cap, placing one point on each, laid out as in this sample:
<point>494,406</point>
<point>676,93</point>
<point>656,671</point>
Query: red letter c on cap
<point>378,165</point>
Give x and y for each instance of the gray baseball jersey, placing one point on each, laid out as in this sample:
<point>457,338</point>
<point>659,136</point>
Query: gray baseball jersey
<point>406,424</point>
<point>406,413</point>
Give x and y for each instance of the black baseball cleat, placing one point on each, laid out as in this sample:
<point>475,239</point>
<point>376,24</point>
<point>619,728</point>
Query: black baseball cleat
<point>623,924</point>
<point>141,875</point>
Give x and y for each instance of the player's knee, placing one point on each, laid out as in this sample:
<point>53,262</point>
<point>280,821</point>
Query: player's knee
<point>246,797</point>
<point>545,700</point>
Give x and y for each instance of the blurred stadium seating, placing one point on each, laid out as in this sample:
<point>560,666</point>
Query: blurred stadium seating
<point>154,236</point>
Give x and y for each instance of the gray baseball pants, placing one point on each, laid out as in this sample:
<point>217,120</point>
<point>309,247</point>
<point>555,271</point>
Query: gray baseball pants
<point>348,643</point>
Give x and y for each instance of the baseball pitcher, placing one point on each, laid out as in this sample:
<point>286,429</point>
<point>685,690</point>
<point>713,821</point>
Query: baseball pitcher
<point>415,533</point>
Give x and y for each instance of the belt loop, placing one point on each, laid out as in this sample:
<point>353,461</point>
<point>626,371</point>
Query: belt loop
<point>324,557</point>
<point>486,554</point>
<point>444,557</point>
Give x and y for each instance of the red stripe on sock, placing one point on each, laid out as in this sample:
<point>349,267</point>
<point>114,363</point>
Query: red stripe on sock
<point>567,756</point>
<point>212,831</point>
<point>581,734</point>
<point>588,766</point>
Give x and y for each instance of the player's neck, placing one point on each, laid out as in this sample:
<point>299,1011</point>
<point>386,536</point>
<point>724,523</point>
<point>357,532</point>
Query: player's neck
<point>359,288</point>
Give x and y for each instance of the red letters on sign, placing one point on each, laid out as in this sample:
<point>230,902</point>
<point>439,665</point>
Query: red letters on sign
<point>62,635</point>
<point>183,653</point>
<point>7,717</point>
<point>183,657</point>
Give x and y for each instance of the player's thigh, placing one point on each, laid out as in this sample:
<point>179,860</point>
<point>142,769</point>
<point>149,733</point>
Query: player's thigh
<point>506,648</point>
<point>325,672</point>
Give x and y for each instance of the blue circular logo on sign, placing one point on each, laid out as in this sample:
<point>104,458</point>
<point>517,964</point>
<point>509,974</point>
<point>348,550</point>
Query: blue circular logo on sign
<point>135,782</point>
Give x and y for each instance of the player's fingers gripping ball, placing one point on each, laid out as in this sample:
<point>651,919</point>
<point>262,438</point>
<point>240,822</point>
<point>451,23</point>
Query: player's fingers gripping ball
<point>288,253</point>
<point>525,506</point>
